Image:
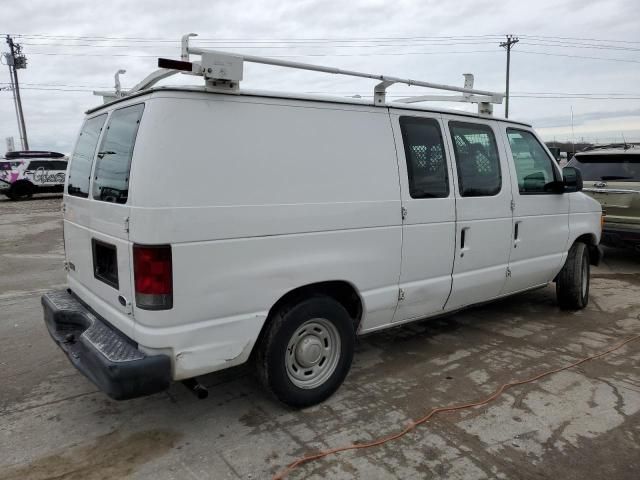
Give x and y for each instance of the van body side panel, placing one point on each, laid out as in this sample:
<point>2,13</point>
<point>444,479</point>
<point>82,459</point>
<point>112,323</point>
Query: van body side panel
<point>258,197</point>
<point>584,217</point>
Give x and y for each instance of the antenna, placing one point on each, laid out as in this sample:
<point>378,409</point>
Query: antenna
<point>626,146</point>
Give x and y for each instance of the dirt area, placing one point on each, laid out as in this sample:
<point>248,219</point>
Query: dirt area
<point>580,423</point>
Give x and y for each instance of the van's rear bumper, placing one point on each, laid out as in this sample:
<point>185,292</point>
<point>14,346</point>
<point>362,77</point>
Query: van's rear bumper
<point>106,356</point>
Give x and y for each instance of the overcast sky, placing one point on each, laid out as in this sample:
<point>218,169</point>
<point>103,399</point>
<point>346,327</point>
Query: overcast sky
<point>422,39</point>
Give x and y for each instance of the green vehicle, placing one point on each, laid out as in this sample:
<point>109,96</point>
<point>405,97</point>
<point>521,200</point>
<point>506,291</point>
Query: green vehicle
<point>612,176</point>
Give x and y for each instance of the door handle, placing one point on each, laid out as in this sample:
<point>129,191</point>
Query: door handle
<point>516,234</point>
<point>464,240</point>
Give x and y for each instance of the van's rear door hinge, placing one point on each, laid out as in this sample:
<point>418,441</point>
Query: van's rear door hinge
<point>508,272</point>
<point>403,212</point>
<point>400,294</point>
<point>513,205</point>
<point>126,224</point>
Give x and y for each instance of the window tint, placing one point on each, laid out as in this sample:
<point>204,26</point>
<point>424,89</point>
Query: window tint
<point>36,164</point>
<point>623,167</point>
<point>58,165</point>
<point>477,159</point>
<point>47,165</point>
<point>534,167</point>
<point>426,162</point>
<point>9,165</point>
<point>82,157</point>
<point>111,182</point>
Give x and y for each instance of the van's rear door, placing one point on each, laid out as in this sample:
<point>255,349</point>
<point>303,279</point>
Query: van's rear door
<point>96,216</point>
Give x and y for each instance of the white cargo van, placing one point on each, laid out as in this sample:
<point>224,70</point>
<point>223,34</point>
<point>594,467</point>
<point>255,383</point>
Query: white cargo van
<point>205,227</point>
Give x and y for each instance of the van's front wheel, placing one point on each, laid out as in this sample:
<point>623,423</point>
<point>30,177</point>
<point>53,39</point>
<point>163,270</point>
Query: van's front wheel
<point>306,351</point>
<point>572,283</point>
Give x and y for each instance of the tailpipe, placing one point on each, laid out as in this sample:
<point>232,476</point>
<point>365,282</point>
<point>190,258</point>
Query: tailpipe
<point>196,387</point>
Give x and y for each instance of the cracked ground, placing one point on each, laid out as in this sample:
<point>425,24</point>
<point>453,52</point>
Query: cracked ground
<point>579,423</point>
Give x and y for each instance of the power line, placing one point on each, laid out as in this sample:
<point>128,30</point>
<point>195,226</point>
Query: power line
<point>300,55</point>
<point>581,45</point>
<point>70,54</point>
<point>579,39</point>
<point>357,44</point>
<point>288,46</point>
<point>579,56</point>
<point>322,39</point>
<point>250,40</point>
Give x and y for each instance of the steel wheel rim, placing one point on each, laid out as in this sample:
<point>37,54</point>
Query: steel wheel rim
<point>585,278</point>
<point>313,353</point>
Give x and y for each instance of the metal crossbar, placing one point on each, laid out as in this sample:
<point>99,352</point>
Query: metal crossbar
<point>223,71</point>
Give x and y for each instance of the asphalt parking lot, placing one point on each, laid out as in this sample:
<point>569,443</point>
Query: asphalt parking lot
<point>579,423</point>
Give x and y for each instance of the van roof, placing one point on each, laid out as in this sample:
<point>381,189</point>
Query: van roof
<point>304,97</point>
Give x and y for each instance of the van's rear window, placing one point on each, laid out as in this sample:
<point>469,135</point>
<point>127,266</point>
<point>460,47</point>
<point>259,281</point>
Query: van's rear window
<point>111,179</point>
<point>608,167</point>
<point>82,159</point>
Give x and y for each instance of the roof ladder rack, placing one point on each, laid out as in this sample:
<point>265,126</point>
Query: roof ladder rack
<point>223,71</point>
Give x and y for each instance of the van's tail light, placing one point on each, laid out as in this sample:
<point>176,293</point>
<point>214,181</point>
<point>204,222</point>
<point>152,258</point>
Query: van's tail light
<point>153,276</point>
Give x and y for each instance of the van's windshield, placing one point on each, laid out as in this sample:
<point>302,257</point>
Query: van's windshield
<point>608,167</point>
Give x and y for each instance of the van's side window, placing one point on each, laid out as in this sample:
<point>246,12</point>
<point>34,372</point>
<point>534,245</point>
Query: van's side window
<point>534,167</point>
<point>426,162</point>
<point>82,159</point>
<point>111,181</point>
<point>477,159</point>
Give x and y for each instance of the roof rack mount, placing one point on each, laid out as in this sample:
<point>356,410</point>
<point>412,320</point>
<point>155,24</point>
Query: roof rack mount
<point>224,70</point>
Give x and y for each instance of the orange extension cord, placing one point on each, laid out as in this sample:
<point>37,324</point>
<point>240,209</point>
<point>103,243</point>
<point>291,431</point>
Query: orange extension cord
<point>413,424</point>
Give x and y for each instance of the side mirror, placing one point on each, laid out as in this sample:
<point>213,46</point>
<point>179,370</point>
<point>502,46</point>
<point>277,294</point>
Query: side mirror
<point>572,179</point>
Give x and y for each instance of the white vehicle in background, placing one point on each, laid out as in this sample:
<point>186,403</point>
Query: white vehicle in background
<point>24,173</point>
<point>205,227</point>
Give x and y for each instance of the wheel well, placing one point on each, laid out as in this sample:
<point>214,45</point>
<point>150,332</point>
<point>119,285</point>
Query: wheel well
<point>587,238</point>
<point>22,184</point>
<point>341,291</point>
<point>595,253</point>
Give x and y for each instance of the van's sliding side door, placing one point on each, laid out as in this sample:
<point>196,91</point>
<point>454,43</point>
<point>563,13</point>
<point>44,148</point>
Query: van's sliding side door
<point>483,211</point>
<point>429,214</point>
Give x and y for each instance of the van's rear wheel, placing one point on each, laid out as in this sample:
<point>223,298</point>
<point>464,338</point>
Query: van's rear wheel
<point>572,284</point>
<point>306,351</point>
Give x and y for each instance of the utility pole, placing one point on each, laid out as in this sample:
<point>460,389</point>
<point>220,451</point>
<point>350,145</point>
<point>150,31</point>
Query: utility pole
<point>511,41</point>
<point>16,60</point>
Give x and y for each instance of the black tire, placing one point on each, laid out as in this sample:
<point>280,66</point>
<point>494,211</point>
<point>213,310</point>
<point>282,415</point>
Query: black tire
<point>20,190</point>
<point>272,359</point>
<point>571,290</point>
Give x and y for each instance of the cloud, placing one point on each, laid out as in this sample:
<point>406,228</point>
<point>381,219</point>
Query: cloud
<point>54,117</point>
